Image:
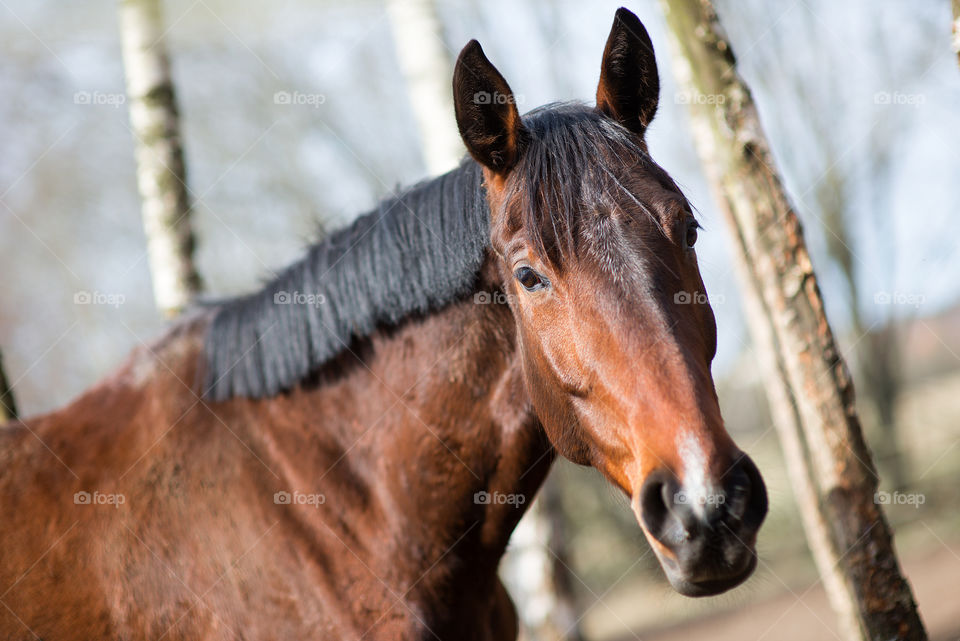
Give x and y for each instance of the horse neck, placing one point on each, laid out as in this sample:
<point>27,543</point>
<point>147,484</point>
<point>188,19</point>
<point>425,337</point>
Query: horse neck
<point>425,430</point>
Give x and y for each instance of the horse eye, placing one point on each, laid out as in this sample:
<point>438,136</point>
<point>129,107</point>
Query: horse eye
<point>692,227</point>
<point>530,279</point>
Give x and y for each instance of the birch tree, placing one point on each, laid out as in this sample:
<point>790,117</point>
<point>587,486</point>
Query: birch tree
<point>956,28</point>
<point>808,385</point>
<point>161,175</point>
<point>425,63</point>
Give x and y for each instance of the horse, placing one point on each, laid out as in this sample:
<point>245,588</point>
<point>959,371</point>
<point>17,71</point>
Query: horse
<point>344,453</point>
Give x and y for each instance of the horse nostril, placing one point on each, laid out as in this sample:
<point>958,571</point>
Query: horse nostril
<point>746,494</point>
<point>736,492</point>
<point>662,516</point>
<point>677,515</point>
<point>655,504</point>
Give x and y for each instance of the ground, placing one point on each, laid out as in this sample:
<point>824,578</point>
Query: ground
<point>805,615</point>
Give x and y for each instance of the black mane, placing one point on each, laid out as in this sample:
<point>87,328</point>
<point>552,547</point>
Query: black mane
<point>414,253</point>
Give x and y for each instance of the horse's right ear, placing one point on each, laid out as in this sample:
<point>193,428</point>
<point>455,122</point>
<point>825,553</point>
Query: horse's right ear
<point>486,111</point>
<point>629,88</point>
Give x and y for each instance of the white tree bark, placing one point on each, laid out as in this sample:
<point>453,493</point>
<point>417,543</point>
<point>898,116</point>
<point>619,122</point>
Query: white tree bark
<point>956,28</point>
<point>161,176</point>
<point>536,574</point>
<point>425,63</point>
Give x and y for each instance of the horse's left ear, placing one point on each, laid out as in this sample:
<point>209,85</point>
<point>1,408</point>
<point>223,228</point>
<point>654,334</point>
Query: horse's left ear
<point>486,111</point>
<point>629,88</point>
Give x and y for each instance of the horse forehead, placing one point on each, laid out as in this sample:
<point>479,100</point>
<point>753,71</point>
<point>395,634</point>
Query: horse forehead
<point>634,223</point>
<point>643,192</point>
<point>612,257</point>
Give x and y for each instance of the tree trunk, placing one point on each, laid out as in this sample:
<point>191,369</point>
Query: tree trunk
<point>8,407</point>
<point>425,63</point>
<point>878,353</point>
<point>537,574</point>
<point>808,385</point>
<point>161,176</point>
<point>956,28</point>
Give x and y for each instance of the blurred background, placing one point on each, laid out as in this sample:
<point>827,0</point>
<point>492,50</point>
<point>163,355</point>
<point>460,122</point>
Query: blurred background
<point>861,101</point>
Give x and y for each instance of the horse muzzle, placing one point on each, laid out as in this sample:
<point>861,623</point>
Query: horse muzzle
<point>704,535</point>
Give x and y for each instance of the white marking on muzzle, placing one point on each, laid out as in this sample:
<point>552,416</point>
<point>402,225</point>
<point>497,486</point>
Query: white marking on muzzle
<point>694,492</point>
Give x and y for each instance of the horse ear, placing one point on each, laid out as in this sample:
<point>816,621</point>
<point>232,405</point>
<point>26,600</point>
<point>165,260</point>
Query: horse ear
<point>486,111</point>
<point>629,88</point>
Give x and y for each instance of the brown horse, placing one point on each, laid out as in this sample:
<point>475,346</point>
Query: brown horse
<point>344,454</point>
